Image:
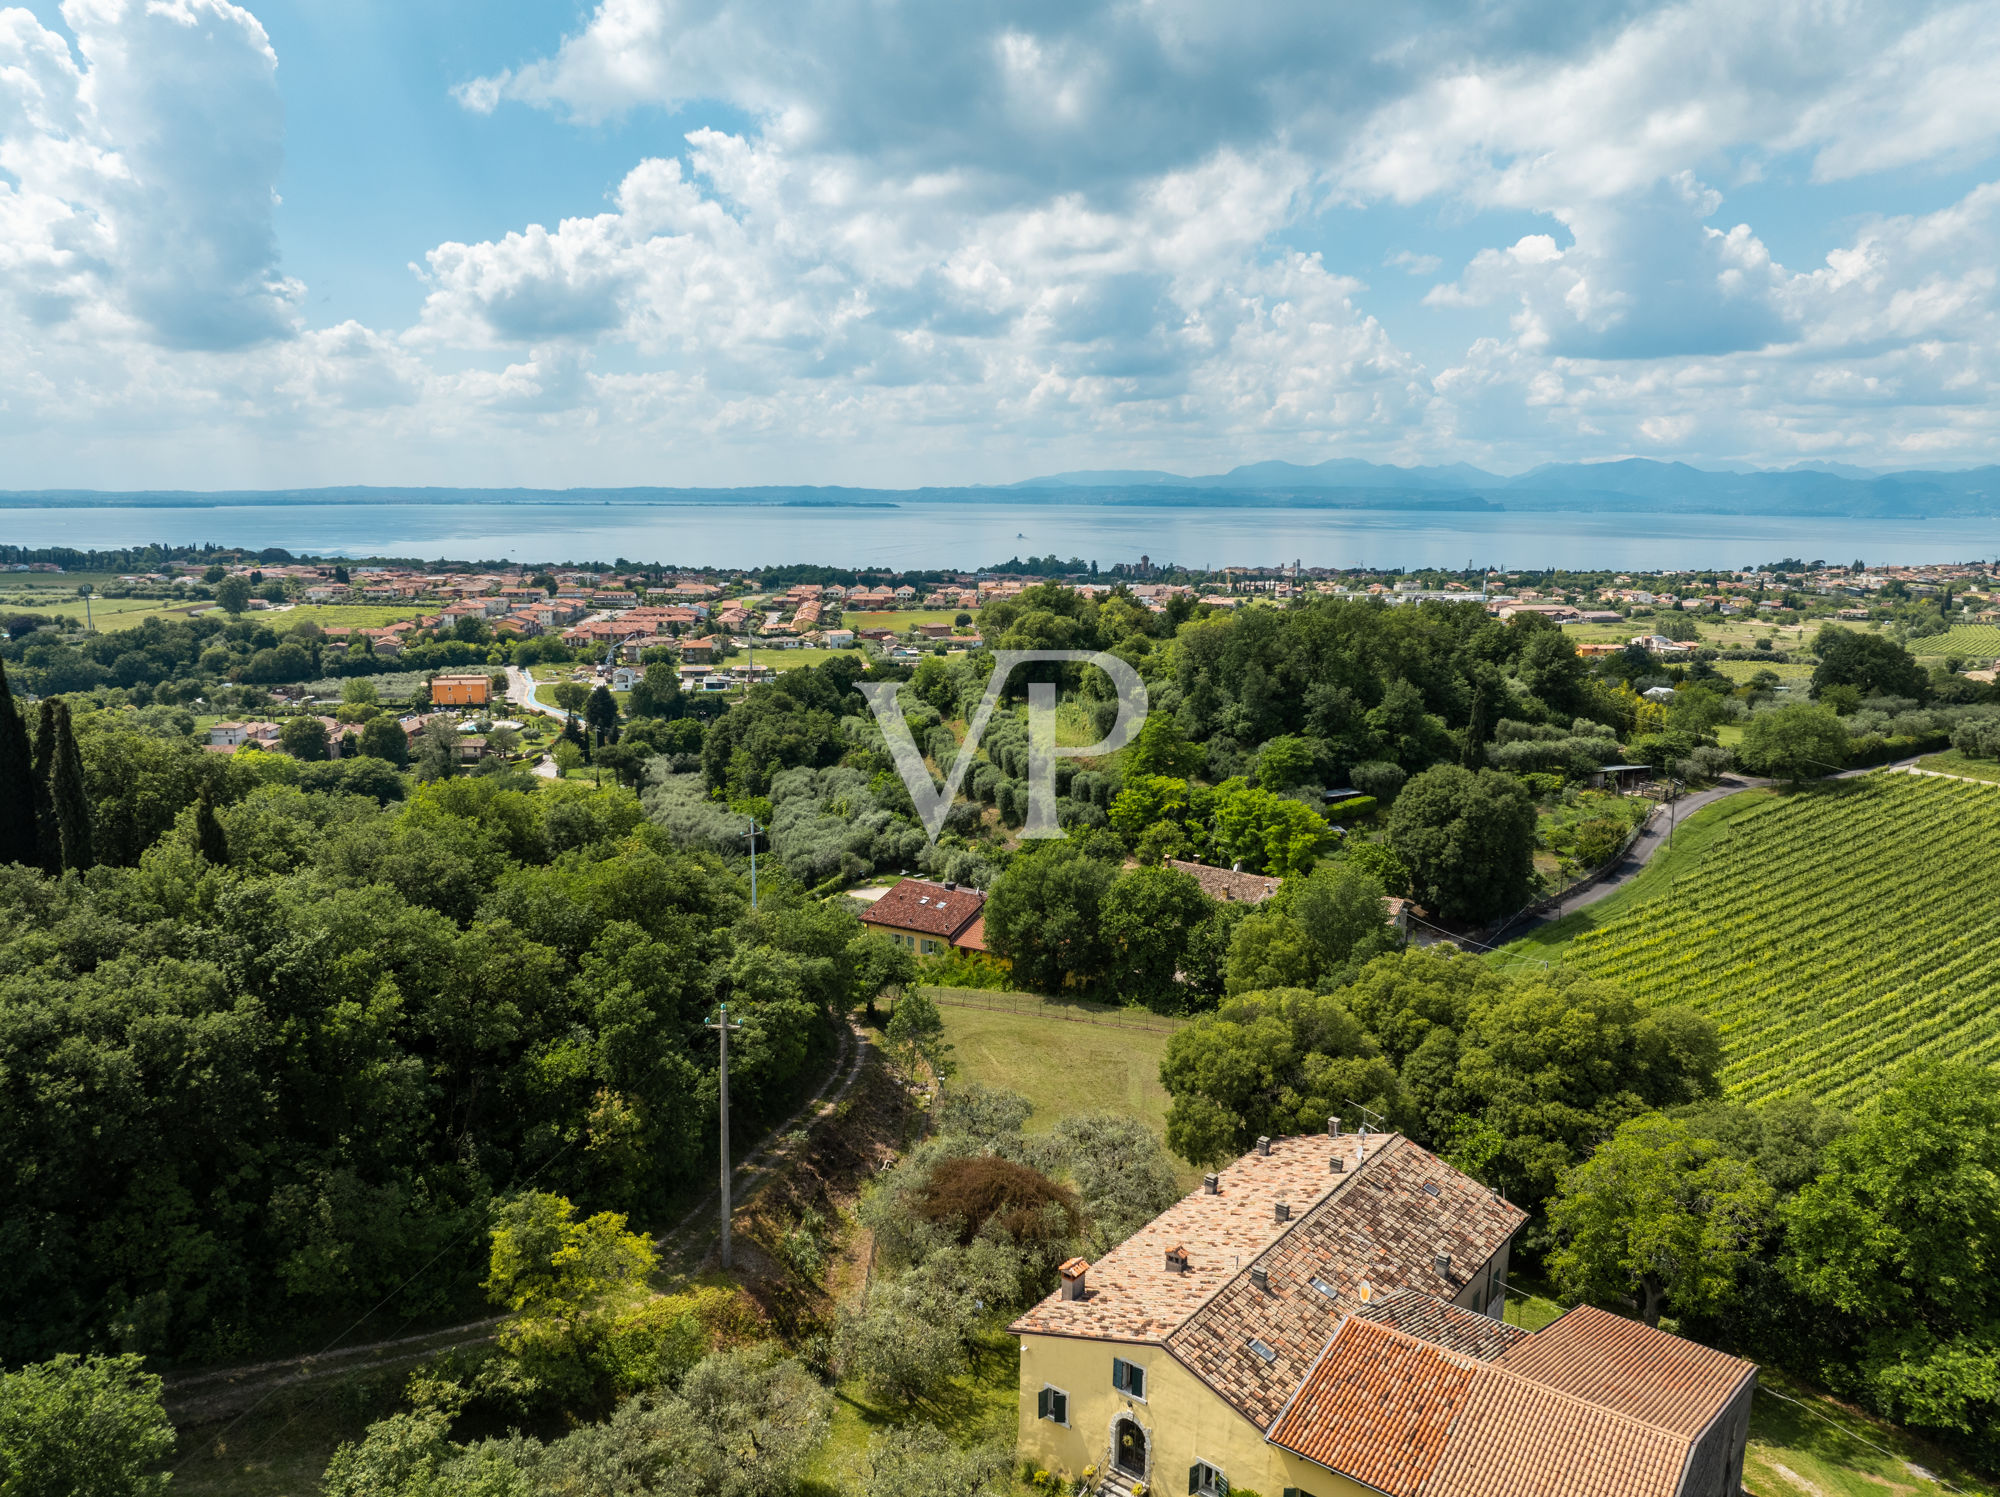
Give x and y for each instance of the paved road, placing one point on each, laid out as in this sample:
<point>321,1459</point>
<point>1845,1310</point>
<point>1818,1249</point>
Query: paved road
<point>1658,828</point>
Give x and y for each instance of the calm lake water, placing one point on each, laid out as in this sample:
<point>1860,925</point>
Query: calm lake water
<point>967,534</point>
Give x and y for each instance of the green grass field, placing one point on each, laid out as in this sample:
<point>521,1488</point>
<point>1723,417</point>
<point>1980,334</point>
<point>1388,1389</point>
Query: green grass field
<point>791,660</point>
<point>1972,640</point>
<point>1792,673</point>
<point>1830,934</point>
<point>352,615</point>
<point>902,620</point>
<point>1951,761</point>
<point>1060,1066</point>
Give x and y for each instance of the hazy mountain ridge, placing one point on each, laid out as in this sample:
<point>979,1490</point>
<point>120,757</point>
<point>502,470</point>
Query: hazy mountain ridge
<point>1630,484</point>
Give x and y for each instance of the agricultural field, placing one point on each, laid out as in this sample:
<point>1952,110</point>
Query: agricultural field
<point>1971,640</point>
<point>1830,934</point>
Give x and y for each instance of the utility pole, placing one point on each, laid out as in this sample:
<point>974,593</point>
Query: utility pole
<point>723,1026</point>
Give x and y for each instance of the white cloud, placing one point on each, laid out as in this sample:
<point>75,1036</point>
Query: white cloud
<point>143,173</point>
<point>950,236</point>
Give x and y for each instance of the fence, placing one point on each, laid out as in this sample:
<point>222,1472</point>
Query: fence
<point>1103,1016</point>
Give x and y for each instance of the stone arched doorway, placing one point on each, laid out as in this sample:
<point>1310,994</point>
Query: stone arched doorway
<point>1128,1448</point>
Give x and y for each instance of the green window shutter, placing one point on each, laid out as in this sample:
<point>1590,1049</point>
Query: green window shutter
<point>1135,1379</point>
<point>1118,1374</point>
<point>1194,1480</point>
<point>1059,1407</point>
<point>1042,1410</point>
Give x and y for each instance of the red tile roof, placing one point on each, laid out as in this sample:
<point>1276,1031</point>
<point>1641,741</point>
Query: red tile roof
<point>1378,1407</point>
<point>1415,1420</point>
<point>1515,1438</point>
<point>1624,1365</point>
<point>1227,885</point>
<point>1467,1332</point>
<point>1382,1226</point>
<point>920,905</point>
<point>1373,1223</point>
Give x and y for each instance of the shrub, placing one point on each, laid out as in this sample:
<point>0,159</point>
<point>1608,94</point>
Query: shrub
<point>971,1192</point>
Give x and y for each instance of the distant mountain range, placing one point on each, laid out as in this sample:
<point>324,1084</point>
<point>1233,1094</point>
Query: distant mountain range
<point>1628,485</point>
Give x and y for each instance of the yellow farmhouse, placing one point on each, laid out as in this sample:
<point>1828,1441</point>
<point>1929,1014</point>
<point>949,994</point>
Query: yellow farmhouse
<point>1321,1319</point>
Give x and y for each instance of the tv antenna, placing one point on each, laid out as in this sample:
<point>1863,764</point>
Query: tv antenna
<point>722,1026</point>
<point>1368,1114</point>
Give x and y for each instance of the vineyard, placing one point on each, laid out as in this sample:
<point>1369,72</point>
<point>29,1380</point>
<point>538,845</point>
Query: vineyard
<point>1971,640</point>
<point>1829,935</point>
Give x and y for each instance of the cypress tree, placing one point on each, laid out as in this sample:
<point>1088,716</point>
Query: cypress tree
<point>17,782</point>
<point>48,837</point>
<point>1479,728</point>
<point>209,838</point>
<point>71,795</point>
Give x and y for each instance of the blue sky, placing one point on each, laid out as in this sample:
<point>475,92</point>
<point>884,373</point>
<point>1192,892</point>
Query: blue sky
<point>710,241</point>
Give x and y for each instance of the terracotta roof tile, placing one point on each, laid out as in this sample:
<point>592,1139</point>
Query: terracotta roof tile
<point>1378,1407</point>
<point>1624,1365</point>
<point>1453,1327</point>
<point>1131,1296</point>
<point>1516,1438</point>
<point>1415,1420</point>
<point>1381,1227</point>
<point>1373,1223</point>
<point>919,904</point>
<point>1226,884</point>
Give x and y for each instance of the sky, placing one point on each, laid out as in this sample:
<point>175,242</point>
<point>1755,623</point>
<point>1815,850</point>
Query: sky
<point>880,242</point>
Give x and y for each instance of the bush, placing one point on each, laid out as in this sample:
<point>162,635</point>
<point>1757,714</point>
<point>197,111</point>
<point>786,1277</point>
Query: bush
<point>968,1193</point>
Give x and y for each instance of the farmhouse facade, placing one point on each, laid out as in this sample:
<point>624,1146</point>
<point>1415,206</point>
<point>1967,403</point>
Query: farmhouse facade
<point>1322,1319</point>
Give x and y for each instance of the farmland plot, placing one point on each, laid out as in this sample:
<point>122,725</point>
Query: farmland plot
<point>1830,935</point>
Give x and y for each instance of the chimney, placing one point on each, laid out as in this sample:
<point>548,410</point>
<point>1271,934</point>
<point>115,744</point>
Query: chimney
<point>1260,1276</point>
<point>1442,1263</point>
<point>1336,1165</point>
<point>1072,1278</point>
<point>1281,1211</point>
<point>1333,1127</point>
<point>1263,1143</point>
<point>1211,1185</point>
<point>951,886</point>
<point>1177,1261</point>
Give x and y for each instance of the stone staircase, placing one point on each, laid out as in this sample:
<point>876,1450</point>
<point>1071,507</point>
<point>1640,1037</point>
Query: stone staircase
<point>1116,1483</point>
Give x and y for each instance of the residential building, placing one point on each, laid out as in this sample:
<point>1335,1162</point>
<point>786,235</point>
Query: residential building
<point>469,690</point>
<point>1229,885</point>
<point>1323,1318</point>
<point>930,918</point>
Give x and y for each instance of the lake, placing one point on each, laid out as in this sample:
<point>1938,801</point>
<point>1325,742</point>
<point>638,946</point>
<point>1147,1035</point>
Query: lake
<point>970,534</point>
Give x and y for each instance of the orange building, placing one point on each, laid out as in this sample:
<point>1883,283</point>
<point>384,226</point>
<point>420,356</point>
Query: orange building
<point>461,691</point>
